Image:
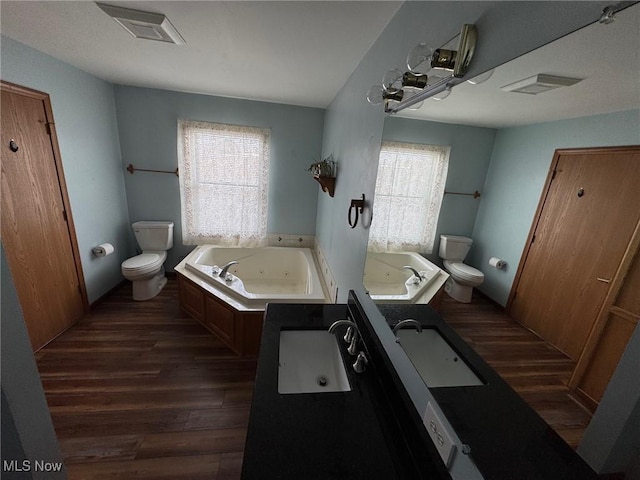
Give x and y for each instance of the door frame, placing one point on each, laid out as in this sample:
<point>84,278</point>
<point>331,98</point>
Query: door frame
<point>55,148</point>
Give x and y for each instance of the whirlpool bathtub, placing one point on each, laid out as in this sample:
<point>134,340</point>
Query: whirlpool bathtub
<point>388,281</point>
<point>262,275</point>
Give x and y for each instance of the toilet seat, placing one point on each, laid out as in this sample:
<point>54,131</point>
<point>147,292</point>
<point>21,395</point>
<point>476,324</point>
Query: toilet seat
<point>143,263</point>
<point>464,272</point>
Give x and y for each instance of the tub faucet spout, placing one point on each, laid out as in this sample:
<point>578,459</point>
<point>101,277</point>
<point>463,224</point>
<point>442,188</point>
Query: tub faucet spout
<point>419,277</point>
<point>225,269</point>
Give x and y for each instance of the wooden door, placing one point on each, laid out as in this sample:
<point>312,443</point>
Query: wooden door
<point>582,229</point>
<point>37,230</point>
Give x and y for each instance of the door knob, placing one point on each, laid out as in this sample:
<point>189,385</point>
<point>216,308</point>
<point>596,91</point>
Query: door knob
<point>13,146</point>
<point>603,280</point>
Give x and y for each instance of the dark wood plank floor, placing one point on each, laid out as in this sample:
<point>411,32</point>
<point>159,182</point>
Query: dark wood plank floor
<point>137,390</point>
<point>536,370</point>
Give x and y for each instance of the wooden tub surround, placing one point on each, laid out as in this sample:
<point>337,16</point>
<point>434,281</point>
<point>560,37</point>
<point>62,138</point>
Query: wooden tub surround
<point>240,331</point>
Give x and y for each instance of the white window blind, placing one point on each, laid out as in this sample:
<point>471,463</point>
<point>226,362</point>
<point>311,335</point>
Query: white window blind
<point>408,197</point>
<point>224,177</point>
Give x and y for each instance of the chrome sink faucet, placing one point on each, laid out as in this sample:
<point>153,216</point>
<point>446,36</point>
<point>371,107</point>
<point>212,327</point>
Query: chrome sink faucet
<point>407,322</point>
<point>351,337</point>
<point>419,277</point>
<point>225,269</point>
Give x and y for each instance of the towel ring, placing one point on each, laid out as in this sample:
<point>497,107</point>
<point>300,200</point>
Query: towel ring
<point>357,205</point>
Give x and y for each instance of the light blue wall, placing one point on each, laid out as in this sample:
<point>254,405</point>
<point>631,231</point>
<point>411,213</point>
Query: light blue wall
<point>21,385</point>
<point>353,128</point>
<point>515,179</point>
<point>468,162</point>
<point>147,122</point>
<point>84,113</point>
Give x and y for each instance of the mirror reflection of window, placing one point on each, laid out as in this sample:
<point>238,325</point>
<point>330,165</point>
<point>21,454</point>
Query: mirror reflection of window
<point>408,195</point>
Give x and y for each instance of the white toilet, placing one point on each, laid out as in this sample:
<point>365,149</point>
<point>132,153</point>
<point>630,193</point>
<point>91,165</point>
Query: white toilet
<point>463,278</point>
<point>146,270</point>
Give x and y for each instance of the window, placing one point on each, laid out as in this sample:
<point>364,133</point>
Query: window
<point>224,176</point>
<point>408,196</point>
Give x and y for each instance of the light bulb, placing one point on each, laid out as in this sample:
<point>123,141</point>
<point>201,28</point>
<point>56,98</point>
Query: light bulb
<point>392,81</point>
<point>483,77</point>
<point>419,59</point>
<point>375,95</point>
<point>443,94</point>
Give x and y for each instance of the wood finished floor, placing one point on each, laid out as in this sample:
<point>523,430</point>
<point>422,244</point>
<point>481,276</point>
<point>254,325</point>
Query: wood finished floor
<point>137,390</point>
<point>536,370</point>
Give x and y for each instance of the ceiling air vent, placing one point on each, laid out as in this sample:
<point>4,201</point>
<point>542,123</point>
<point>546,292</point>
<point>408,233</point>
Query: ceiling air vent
<point>540,83</point>
<point>146,25</point>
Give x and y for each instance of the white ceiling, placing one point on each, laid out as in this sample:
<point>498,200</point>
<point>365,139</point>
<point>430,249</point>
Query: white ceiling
<point>606,57</point>
<point>302,52</point>
<point>295,52</point>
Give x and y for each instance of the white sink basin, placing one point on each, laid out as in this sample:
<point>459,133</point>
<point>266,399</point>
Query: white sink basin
<point>438,364</point>
<point>310,362</point>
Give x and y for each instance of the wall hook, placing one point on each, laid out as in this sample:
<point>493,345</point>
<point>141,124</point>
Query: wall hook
<point>357,205</point>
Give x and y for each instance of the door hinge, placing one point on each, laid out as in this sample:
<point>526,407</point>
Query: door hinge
<point>64,216</point>
<point>553,175</point>
<point>533,239</point>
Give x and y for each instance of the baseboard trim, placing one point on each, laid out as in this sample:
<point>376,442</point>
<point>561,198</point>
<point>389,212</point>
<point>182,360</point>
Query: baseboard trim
<point>101,299</point>
<point>491,300</point>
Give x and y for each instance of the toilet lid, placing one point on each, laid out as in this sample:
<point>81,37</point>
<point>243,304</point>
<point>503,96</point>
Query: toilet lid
<point>464,271</point>
<point>144,261</point>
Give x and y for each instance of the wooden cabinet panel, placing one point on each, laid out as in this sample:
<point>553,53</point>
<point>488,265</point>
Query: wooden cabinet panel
<point>191,298</point>
<point>239,330</point>
<point>221,320</point>
<point>251,332</point>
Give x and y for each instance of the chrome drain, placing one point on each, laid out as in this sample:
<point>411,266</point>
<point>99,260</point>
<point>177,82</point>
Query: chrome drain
<point>322,381</point>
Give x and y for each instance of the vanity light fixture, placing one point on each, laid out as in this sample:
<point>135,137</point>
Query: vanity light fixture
<point>540,83</point>
<point>424,63</point>
<point>145,25</point>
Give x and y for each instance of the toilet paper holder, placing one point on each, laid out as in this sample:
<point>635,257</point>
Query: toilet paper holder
<point>103,250</point>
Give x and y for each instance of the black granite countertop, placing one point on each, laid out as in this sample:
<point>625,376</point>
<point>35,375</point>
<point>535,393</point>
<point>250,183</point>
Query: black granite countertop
<point>335,435</point>
<point>508,439</point>
<point>373,431</point>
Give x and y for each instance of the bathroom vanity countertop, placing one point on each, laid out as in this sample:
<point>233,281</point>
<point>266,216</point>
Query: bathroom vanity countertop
<point>508,439</point>
<point>334,435</point>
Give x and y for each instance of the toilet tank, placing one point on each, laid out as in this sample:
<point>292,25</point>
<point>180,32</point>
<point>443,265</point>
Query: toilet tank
<point>154,236</point>
<point>453,247</point>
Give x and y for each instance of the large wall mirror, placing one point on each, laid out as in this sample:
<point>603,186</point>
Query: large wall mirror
<point>475,120</point>
<point>502,144</point>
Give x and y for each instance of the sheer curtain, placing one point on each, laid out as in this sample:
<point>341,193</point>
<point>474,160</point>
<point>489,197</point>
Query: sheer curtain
<point>224,178</point>
<point>408,197</point>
